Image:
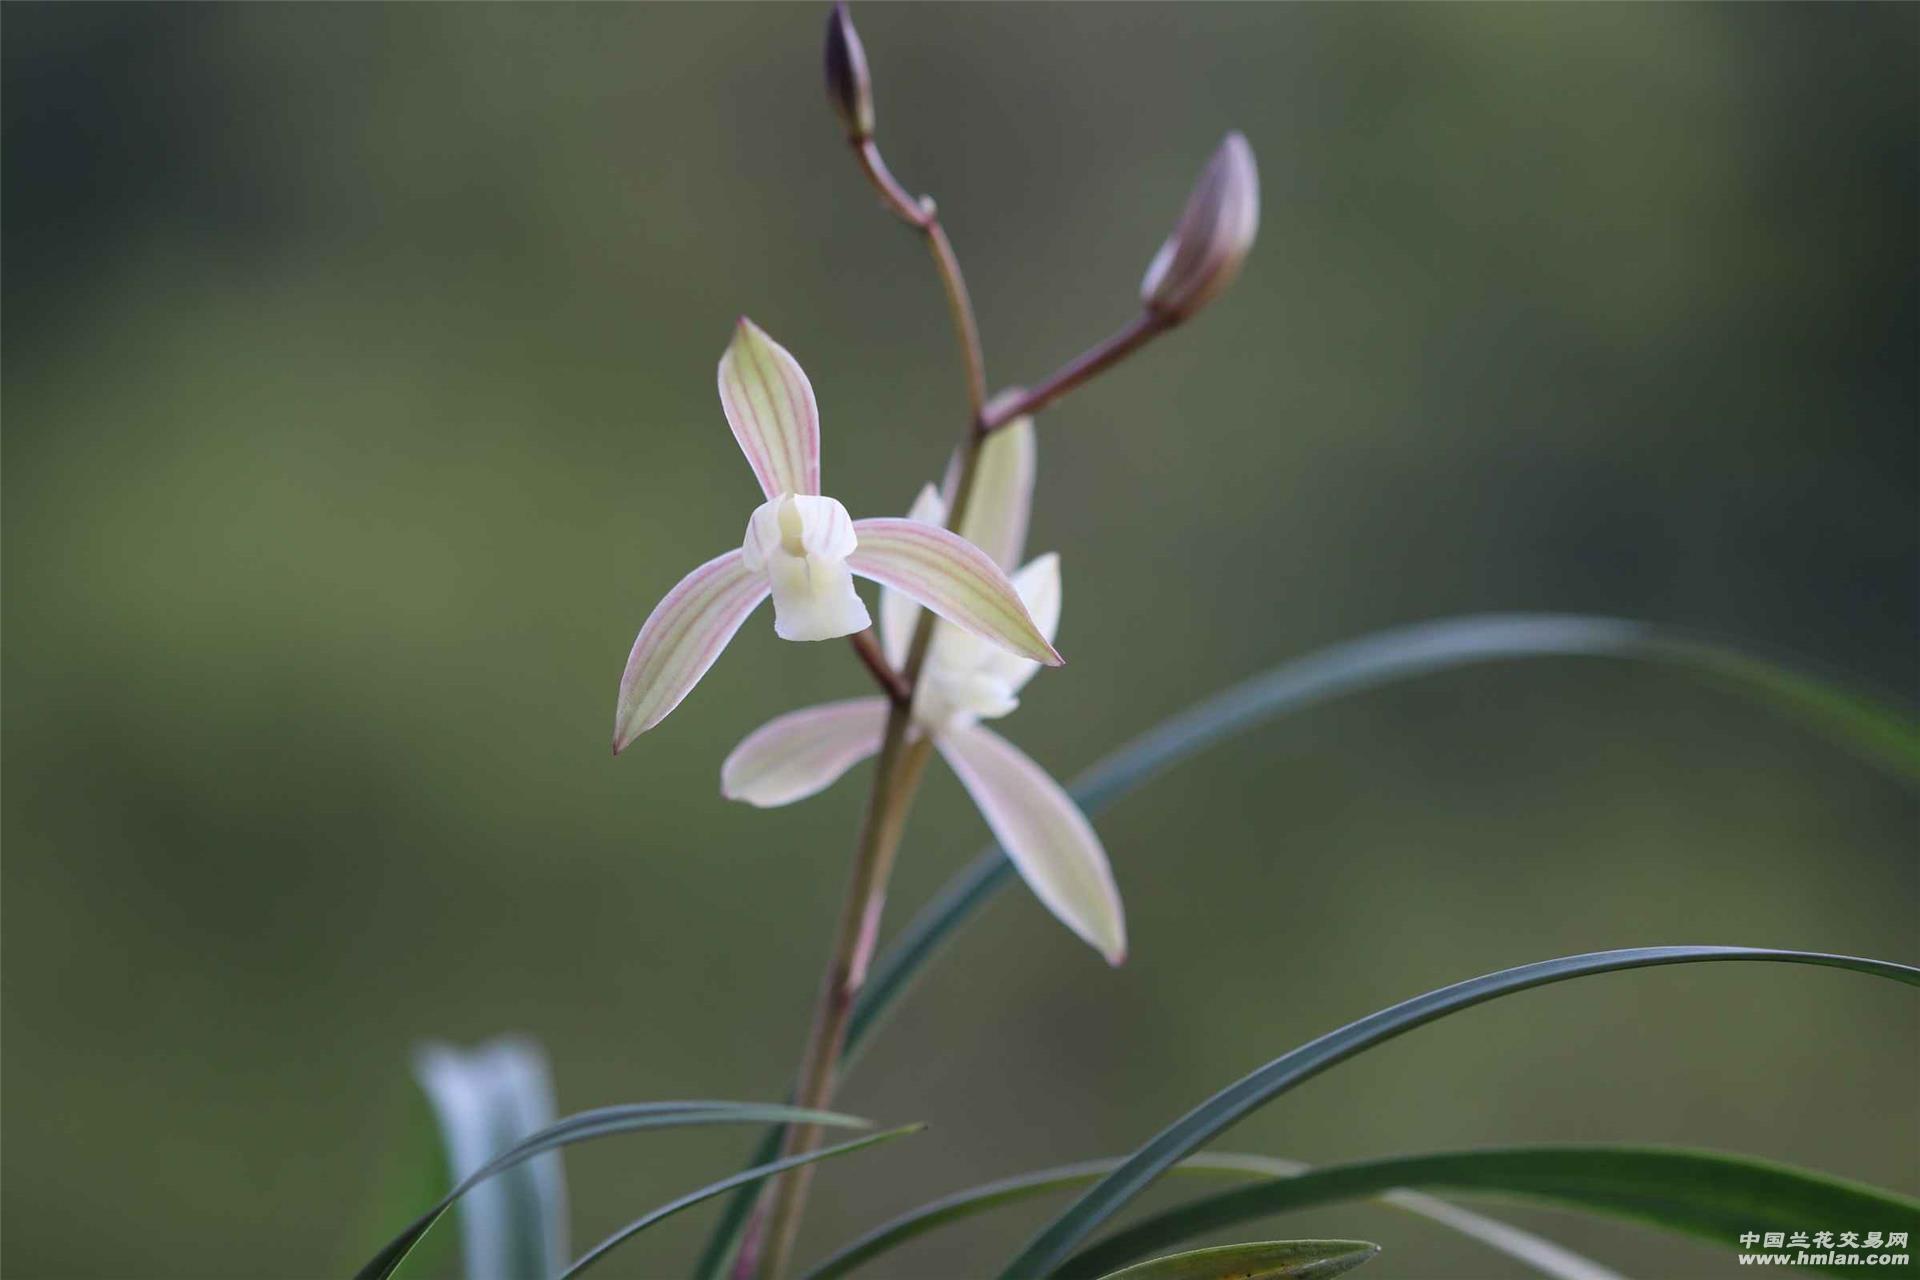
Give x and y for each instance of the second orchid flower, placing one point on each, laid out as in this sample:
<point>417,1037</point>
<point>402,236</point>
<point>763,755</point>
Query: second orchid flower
<point>965,680</point>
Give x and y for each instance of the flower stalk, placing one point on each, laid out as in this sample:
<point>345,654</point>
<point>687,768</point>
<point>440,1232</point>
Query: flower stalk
<point>897,774</point>
<point>891,682</point>
<point>895,780</point>
<point>901,764</point>
<point>1018,402</point>
<point>1204,252</point>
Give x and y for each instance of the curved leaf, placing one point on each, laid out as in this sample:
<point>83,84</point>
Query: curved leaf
<point>412,1172</point>
<point>1543,1255</point>
<point>1871,726</point>
<point>1061,1237</point>
<point>1265,1260</point>
<point>1699,1193</point>
<point>602,1122</point>
<point>484,1100</point>
<point>1887,735</point>
<point>746,1177</point>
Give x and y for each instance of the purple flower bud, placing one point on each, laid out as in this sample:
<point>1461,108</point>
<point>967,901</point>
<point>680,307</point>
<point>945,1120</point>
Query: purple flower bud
<point>1211,240</point>
<point>848,88</point>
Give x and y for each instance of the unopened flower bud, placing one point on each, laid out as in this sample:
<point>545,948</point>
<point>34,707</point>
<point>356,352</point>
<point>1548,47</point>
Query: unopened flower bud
<point>848,88</point>
<point>1211,240</point>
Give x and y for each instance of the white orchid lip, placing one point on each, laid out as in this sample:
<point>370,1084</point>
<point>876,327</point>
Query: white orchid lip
<point>801,543</point>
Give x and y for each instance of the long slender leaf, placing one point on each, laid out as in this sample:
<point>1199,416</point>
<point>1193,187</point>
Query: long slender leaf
<point>722,1250</point>
<point>1261,1260</point>
<point>746,1177</point>
<point>485,1099</point>
<point>1543,1255</point>
<point>413,1171</point>
<point>1699,1193</point>
<point>1194,1130</point>
<point>1874,726</point>
<point>1546,1257</point>
<point>602,1122</point>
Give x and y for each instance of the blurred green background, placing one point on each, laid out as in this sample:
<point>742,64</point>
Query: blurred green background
<point>359,405</point>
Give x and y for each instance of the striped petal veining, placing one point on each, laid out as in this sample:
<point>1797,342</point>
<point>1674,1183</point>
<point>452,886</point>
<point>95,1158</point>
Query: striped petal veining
<point>769,404</point>
<point>681,639</point>
<point>952,577</point>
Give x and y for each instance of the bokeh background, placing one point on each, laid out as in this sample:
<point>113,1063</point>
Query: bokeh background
<point>359,404</point>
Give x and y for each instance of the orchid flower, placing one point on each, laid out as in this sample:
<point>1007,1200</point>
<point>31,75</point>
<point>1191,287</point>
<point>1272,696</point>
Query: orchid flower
<point>963,682</point>
<point>803,550</point>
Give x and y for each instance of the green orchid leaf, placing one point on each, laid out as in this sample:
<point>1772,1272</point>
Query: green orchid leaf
<point>747,1177</point>
<point>484,1100</point>
<point>1713,1196</point>
<point>1268,1260</point>
<point>1878,728</point>
<point>602,1122</point>
<point>1052,1246</point>
<point>413,1171</point>
<point>1543,1255</point>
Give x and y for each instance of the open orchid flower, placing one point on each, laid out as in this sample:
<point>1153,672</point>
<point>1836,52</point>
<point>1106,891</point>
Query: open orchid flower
<point>965,680</point>
<point>803,550</point>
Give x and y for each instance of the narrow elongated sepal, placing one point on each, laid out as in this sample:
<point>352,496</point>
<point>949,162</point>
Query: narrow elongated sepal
<point>769,404</point>
<point>1045,836</point>
<point>952,577</point>
<point>803,752</point>
<point>1039,586</point>
<point>681,639</point>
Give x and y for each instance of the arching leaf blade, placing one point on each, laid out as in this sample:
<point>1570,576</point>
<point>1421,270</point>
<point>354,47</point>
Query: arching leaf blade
<point>1064,1234</point>
<point>584,1126</point>
<point>1544,1256</point>
<point>1259,1260</point>
<point>718,1255</point>
<point>1876,727</point>
<point>1710,1195</point>
<point>746,1177</point>
<point>485,1098</point>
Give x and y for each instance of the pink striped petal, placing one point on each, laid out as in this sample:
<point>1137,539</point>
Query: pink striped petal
<point>681,639</point>
<point>898,614</point>
<point>803,752</point>
<point>1045,836</point>
<point>952,577</point>
<point>769,405</point>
